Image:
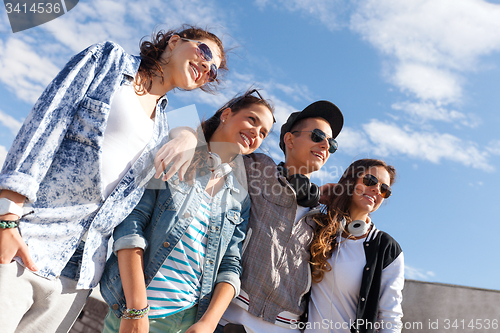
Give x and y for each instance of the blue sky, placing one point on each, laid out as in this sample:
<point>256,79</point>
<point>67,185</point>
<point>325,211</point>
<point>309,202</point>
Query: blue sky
<point>417,81</point>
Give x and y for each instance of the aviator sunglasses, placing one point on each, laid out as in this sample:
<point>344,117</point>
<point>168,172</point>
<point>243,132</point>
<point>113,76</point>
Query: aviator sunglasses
<point>318,135</point>
<point>205,53</point>
<point>371,180</point>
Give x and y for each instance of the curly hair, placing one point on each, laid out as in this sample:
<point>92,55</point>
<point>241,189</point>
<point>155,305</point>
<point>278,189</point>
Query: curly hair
<point>152,50</point>
<point>337,209</point>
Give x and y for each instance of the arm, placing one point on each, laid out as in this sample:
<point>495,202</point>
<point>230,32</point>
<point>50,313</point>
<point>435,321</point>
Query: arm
<point>230,268</point>
<point>11,242</point>
<point>130,233</point>
<point>179,150</point>
<point>222,296</point>
<point>129,245</point>
<point>130,262</point>
<point>391,296</point>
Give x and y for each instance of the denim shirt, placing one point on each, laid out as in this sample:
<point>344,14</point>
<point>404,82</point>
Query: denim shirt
<point>55,161</point>
<point>158,223</point>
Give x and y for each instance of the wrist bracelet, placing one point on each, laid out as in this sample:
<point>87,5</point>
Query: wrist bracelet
<point>9,224</point>
<point>135,314</point>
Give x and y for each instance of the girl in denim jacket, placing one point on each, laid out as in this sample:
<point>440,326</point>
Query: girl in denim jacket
<point>183,240</point>
<point>81,161</point>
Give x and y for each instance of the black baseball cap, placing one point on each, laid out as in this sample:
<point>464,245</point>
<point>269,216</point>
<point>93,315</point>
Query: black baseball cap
<point>320,109</point>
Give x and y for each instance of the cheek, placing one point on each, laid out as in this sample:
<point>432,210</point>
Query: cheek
<point>359,189</point>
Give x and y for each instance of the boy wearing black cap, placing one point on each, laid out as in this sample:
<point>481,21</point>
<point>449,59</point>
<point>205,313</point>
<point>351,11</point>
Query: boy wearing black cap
<point>276,273</point>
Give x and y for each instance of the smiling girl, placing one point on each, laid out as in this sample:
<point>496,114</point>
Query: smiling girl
<point>358,270</point>
<point>80,163</point>
<point>183,240</point>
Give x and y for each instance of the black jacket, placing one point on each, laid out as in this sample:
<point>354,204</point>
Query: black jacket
<point>380,251</point>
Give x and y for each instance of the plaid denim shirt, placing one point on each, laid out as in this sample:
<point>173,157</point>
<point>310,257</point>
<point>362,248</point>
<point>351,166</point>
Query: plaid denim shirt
<point>55,161</point>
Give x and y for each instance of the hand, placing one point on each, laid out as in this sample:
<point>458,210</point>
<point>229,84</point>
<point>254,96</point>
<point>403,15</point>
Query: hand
<point>134,325</point>
<point>200,327</point>
<point>179,150</point>
<point>12,245</point>
<point>326,191</point>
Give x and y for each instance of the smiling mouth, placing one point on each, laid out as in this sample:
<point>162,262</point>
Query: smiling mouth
<point>195,71</point>
<point>318,155</point>
<point>369,197</point>
<point>245,138</point>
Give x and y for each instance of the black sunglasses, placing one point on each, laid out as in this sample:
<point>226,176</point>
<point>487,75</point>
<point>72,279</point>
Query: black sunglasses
<point>318,135</point>
<point>205,53</point>
<point>371,180</point>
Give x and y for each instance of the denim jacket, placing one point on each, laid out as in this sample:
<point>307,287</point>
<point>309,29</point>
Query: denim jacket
<point>55,161</point>
<point>158,223</point>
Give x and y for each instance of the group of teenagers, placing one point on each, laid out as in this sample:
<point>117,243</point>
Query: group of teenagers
<point>207,236</point>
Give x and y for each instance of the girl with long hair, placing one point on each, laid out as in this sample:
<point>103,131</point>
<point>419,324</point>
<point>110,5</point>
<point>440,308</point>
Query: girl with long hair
<point>357,270</point>
<point>80,163</point>
<point>182,243</point>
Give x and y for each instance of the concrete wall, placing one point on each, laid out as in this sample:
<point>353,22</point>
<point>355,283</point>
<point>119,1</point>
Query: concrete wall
<point>428,308</point>
<point>436,308</point>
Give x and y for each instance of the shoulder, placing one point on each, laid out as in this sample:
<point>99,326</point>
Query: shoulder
<point>258,158</point>
<point>388,247</point>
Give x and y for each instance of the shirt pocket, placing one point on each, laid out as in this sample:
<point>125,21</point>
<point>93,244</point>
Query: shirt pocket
<point>177,193</point>
<point>232,218</point>
<point>89,123</point>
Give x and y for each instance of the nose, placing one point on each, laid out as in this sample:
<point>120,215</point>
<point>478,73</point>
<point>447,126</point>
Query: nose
<point>376,189</point>
<point>324,144</point>
<point>205,67</point>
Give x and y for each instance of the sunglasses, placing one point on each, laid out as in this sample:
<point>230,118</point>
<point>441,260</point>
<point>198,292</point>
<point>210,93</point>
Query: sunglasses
<point>371,180</point>
<point>205,53</point>
<point>318,135</point>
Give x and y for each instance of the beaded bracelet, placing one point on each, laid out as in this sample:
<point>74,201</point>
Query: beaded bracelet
<point>9,224</point>
<point>135,314</point>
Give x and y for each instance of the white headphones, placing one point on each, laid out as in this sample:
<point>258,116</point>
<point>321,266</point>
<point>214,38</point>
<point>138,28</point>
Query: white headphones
<point>214,164</point>
<point>357,228</point>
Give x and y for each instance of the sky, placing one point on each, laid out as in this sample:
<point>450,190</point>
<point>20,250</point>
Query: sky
<point>416,80</point>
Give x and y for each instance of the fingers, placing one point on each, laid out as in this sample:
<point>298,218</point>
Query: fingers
<point>24,254</point>
<point>182,170</point>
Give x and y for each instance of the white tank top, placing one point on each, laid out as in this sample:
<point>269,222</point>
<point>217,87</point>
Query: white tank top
<point>127,133</point>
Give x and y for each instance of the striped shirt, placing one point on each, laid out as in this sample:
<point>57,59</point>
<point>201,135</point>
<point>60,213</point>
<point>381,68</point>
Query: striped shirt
<point>176,286</point>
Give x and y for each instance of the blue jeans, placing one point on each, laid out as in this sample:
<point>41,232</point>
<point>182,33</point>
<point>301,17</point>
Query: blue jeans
<point>177,323</point>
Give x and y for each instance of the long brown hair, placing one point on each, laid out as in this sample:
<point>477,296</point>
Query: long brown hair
<point>152,50</point>
<point>325,236</point>
<point>209,126</point>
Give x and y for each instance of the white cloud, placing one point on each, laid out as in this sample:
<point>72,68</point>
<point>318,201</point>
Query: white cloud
<point>427,83</point>
<point>353,141</point>
<point>390,139</point>
<point>421,112</point>
<point>494,147</point>
<point>25,71</point>
<point>414,273</point>
<point>384,139</point>
<point>13,124</point>
<point>432,41</point>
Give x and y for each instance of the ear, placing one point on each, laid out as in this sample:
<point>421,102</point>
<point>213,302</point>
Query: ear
<point>225,114</point>
<point>288,140</point>
<point>173,41</point>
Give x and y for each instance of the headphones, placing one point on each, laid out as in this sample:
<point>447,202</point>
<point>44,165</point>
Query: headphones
<point>214,164</point>
<point>357,228</point>
<point>306,193</point>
